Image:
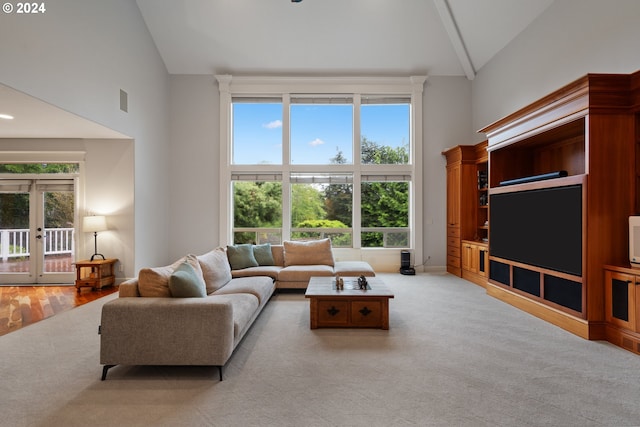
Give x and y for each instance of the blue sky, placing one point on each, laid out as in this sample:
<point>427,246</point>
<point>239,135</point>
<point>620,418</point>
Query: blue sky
<point>317,132</point>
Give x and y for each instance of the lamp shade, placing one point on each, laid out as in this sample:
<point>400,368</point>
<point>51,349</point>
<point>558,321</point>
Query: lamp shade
<point>94,223</point>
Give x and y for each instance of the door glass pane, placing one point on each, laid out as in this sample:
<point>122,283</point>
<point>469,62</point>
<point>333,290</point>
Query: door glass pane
<point>58,234</point>
<point>14,232</point>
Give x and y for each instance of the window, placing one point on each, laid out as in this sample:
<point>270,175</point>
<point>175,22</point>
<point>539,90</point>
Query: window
<point>257,209</point>
<point>321,130</point>
<point>385,126</point>
<point>257,131</point>
<point>336,159</point>
<point>385,213</point>
<point>321,206</point>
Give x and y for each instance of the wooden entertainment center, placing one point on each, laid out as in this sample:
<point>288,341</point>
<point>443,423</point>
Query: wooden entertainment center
<point>588,134</point>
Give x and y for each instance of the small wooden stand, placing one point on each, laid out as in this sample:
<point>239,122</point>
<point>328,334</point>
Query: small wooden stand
<point>95,274</point>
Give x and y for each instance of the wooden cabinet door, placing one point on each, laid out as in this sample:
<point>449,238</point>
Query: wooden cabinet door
<point>620,299</point>
<point>470,259</point>
<point>483,260</point>
<point>453,194</point>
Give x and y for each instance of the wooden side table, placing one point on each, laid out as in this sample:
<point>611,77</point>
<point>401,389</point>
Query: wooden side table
<point>95,274</point>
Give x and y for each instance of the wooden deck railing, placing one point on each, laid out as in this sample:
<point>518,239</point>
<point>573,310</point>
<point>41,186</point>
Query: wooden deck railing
<point>14,243</point>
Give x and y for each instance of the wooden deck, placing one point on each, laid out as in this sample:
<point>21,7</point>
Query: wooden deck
<point>21,306</point>
<point>52,264</point>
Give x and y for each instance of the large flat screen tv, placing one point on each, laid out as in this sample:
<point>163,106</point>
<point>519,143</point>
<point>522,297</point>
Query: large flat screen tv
<point>541,227</point>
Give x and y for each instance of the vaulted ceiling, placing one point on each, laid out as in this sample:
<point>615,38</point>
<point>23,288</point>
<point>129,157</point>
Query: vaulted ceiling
<point>310,37</point>
<point>371,37</point>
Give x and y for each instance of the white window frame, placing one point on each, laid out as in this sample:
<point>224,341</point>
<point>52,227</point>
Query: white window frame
<point>285,87</point>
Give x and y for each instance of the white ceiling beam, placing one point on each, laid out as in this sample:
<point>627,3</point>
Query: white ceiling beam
<point>454,35</point>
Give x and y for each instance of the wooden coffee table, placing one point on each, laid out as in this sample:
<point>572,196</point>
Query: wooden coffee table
<point>350,307</point>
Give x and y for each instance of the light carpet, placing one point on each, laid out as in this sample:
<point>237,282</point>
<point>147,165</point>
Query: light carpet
<point>453,357</point>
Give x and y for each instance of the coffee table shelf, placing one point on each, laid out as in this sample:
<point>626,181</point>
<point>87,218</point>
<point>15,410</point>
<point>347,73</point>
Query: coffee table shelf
<point>350,307</point>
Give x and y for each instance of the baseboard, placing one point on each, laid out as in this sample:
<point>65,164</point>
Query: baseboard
<point>576,326</point>
<point>475,278</point>
<point>623,338</point>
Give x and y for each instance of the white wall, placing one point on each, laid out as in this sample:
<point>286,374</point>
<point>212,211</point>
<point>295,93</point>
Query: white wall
<point>194,165</point>
<point>447,123</point>
<point>109,178</point>
<point>570,39</point>
<point>77,56</point>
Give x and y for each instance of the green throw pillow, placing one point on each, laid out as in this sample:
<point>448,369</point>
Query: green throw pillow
<point>263,254</point>
<point>184,282</point>
<point>241,256</point>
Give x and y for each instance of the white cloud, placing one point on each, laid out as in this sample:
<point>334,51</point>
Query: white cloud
<point>273,125</point>
<point>316,142</point>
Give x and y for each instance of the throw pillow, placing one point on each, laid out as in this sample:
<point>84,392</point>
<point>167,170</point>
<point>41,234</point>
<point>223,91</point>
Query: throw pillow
<point>241,256</point>
<point>184,282</point>
<point>215,269</point>
<point>314,252</point>
<point>263,254</point>
<point>154,282</point>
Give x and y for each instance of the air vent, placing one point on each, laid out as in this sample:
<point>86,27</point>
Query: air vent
<point>124,101</point>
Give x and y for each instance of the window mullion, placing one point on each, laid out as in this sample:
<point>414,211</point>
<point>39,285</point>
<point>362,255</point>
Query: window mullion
<point>357,156</point>
<point>286,166</point>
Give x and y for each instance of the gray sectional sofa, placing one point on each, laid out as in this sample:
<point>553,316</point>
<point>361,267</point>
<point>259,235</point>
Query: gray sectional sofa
<point>150,325</point>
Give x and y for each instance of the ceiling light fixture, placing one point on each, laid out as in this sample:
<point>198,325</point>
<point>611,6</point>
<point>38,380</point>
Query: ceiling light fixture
<point>296,1</point>
<point>6,117</point>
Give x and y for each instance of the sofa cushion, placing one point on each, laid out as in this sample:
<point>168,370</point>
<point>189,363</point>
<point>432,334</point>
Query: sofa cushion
<point>313,252</point>
<point>215,269</point>
<point>278,255</point>
<point>260,286</point>
<point>302,273</point>
<point>263,255</point>
<point>244,308</point>
<point>266,270</point>
<point>184,282</point>
<point>241,256</point>
<point>353,268</point>
<point>154,282</point>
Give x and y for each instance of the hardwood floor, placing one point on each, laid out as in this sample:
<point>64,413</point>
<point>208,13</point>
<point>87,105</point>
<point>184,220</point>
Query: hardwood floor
<point>21,306</point>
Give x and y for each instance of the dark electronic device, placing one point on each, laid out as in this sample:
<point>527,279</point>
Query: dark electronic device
<point>541,227</point>
<point>405,264</point>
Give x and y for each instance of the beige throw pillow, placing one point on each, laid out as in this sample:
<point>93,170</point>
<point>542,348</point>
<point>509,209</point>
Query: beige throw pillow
<point>314,252</point>
<point>154,282</point>
<point>215,269</point>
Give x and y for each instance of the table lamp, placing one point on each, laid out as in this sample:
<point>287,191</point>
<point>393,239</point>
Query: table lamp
<point>94,224</point>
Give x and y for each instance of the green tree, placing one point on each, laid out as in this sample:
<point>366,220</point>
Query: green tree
<point>14,207</point>
<point>338,198</point>
<point>59,209</point>
<point>384,204</point>
<point>39,168</point>
<point>337,239</point>
<point>14,210</point>
<point>257,204</point>
<point>307,203</point>
<point>376,154</point>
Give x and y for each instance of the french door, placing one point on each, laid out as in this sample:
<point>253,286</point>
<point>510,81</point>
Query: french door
<point>37,231</point>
